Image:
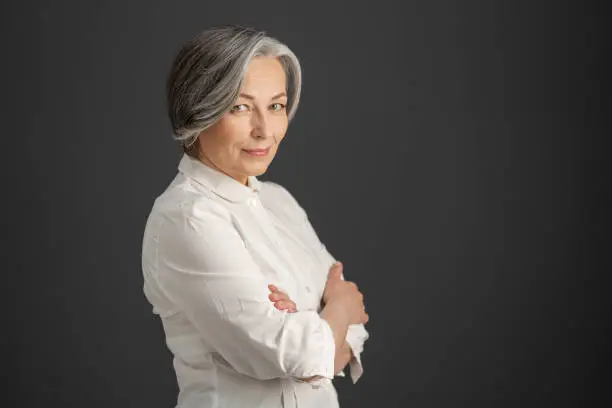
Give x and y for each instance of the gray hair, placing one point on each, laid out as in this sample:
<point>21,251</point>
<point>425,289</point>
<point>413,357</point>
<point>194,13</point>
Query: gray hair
<point>208,72</point>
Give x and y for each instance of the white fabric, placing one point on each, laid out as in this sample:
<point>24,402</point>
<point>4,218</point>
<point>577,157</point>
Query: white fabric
<point>211,247</point>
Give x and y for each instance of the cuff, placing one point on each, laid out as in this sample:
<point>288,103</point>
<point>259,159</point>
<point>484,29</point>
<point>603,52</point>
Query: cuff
<point>356,366</point>
<point>328,352</point>
<point>355,362</point>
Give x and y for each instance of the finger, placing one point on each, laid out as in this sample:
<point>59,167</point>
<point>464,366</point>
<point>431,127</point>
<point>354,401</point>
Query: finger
<point>286,305</point>
<point>336,271</point>
<point>292,306</point>
<point>289,304</point>
<point>274,296</point>
<point>275,289</point>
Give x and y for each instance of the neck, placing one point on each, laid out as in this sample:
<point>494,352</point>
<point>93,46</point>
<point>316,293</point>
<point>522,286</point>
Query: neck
<point>241,179</point>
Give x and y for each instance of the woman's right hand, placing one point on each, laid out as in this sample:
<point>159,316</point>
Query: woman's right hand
<point>345,295</point>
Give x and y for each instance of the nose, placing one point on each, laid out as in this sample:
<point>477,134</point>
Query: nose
<point>261,128</point>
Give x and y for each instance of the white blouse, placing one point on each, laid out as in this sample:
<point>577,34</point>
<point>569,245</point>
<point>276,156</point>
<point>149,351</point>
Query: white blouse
<point>211,246</point>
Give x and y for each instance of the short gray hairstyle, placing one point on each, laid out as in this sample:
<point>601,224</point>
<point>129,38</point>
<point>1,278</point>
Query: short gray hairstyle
<point>207,74</point>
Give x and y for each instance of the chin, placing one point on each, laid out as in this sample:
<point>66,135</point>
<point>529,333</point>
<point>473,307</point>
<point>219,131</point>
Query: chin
<point>255,170</point>
<point>259,171</point>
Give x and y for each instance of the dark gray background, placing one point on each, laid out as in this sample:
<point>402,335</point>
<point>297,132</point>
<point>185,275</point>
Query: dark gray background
<point>452,154</point>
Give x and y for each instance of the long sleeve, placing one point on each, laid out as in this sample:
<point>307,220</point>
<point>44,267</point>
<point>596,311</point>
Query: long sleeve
<point>204,268</point>
<point>356,334</point>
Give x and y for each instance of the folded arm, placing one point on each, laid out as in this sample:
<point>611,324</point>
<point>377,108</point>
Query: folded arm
<point>356,334</point>
<point>205,269</point>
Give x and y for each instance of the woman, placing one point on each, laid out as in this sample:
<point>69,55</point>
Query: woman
<point>255,310</point>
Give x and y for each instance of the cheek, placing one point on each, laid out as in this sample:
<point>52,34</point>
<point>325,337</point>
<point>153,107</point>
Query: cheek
<point>232,133</point>
<point>281,128</point>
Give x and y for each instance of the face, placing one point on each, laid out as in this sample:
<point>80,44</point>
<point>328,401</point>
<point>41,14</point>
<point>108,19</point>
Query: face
<point>245,140</point>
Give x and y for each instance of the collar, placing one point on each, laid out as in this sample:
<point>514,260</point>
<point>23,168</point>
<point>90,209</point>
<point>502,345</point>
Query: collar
<point>220,183</point>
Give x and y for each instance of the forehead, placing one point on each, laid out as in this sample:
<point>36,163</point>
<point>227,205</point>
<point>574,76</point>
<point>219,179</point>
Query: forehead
<point>264,74</point>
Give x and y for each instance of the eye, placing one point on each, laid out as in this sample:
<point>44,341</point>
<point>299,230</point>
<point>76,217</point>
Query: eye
<point>239,108</point>
<point>278,106</point>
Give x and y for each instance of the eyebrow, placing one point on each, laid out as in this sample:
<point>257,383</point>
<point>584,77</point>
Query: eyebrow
<point>251,97</point>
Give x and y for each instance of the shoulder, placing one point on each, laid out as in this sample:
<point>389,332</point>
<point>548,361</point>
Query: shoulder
<point>192,229</point>
<point>182,203</point>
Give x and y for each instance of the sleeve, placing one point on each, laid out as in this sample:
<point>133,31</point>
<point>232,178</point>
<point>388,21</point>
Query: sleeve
<point>205,269</point>
<point>356,334</point>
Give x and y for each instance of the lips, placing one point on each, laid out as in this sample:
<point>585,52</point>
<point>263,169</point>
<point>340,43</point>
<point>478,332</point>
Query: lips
<point>257,152</point>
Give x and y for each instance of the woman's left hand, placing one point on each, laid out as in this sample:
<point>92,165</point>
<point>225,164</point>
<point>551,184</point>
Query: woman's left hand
<point>281,300</point>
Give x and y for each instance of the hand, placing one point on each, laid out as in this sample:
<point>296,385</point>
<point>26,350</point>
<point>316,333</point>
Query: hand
<point>335,269</point>
<point>281,300</point>
<point>345,294</point>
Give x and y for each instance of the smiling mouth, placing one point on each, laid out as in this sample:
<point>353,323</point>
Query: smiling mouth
<point>257,152</point>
